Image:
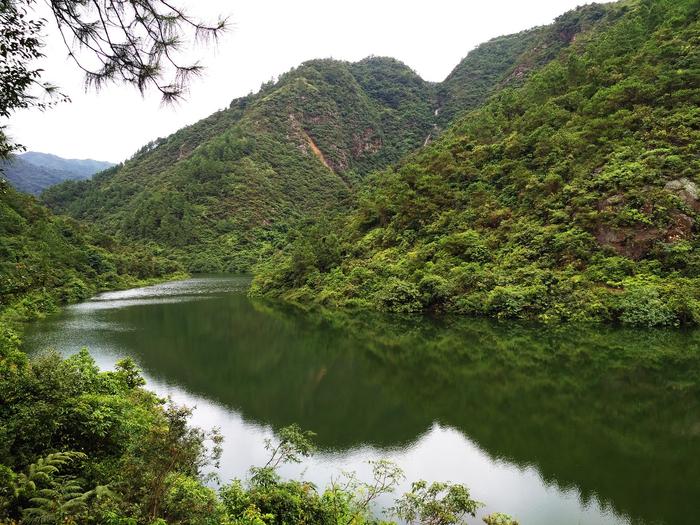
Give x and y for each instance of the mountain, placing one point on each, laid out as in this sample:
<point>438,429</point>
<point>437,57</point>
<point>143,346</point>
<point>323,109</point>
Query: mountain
<point>82,167</point>
<point>226,192</point>
<point>507,61</point>
<point>216,192</point>
<point>571,194</point>
<point>33,172</point>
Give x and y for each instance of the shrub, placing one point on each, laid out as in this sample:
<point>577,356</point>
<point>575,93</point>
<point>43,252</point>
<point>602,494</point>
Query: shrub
<point>515,301</point>
<point>397,295</point>
<point>643,305</point>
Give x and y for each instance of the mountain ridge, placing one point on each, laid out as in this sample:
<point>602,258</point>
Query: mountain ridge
<point>32,172</point>
<point>570,196</point>
<point>227,191</point>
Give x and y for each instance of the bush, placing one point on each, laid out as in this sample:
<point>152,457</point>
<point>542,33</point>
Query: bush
<point>515,301</point>
<point>643,305</point>
<point>188,502</point>
<point>397,295</point>
<point>467,245</point>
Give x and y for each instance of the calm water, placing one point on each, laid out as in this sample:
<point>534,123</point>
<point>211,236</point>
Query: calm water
<point>565,426</point>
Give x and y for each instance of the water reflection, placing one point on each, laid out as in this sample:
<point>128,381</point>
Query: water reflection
<point>568,425</point>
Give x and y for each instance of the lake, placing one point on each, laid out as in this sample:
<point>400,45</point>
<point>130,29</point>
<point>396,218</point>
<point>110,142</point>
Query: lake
<point>561,425</point>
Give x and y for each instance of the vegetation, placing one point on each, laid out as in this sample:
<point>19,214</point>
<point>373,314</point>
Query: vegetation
<point>508,61</point>
<point>33,172</point>
<point>48,260</point>
<point>570,197</point>
<point>223,194</point>
<point>219,193</point>
<point>567,191</point>
<point>83,446</point>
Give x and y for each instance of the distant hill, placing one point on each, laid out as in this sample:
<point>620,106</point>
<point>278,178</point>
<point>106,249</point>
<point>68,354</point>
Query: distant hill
<point>32,172</point>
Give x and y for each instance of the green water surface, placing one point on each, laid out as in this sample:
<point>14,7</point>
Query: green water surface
<point>589,425</point>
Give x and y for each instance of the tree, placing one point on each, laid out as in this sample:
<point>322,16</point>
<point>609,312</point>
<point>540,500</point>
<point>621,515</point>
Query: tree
<point>294,443</point>
<point>436,504</point>
<point>130,41</point>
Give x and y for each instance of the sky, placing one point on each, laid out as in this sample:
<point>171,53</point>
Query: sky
<point>266,38</point>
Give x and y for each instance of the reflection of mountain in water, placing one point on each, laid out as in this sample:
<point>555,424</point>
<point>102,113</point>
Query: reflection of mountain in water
<point>614,413</point>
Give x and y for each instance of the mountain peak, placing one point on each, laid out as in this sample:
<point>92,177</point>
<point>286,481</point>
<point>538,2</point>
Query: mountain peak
<point>33,172</point>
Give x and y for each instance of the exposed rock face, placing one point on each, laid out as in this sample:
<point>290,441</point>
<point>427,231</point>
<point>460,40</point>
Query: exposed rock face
<point>681,228</point>
<point>636,241</point>
<point>307,144</point>
<point>686,190</point>
<point>631,241</point>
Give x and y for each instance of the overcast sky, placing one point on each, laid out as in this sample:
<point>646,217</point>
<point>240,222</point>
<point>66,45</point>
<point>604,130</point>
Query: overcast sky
<point>266,39</point>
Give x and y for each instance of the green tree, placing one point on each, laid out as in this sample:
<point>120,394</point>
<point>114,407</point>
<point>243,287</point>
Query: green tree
<point>436,504</point>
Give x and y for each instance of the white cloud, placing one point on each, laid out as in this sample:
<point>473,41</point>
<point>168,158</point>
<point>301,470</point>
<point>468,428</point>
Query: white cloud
<point>268,38</point>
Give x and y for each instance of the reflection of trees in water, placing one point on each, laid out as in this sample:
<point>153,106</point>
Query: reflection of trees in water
<point>607,411</point>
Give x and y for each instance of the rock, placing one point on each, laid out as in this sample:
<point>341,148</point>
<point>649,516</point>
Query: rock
<point>681,228</point>
<point>611,202</point>
<point>631,241</point>
<point>686,190</point>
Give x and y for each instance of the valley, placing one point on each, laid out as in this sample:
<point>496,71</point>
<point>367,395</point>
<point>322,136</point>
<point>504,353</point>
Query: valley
<point>356,296</point>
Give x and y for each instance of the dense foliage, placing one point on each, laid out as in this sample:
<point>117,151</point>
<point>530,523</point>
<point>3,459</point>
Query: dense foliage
<point>570,197</point>
<point>48,260</point>
<point>223,193</point>
<point>81,446</point>
<point>217,193</point>
<point>509,60</point>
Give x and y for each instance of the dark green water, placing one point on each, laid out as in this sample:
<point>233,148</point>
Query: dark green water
<point>573,425</point>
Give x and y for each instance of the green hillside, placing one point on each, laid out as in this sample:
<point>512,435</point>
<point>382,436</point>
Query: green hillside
<point>218,192</point>
<point>509,60</point>
<point>571,196</point>
<point>48,260</point>
<point>222,194</point>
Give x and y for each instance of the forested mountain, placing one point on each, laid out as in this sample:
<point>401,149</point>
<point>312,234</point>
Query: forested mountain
<point>33,172</point>
<point>216,191</point>
<point>508,60</point>
<point>570,196</point>
<point>222,193</point>
<point>83,167</point>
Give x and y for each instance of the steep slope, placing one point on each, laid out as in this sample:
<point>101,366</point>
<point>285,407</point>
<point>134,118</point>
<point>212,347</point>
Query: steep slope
<point>508,60</point>
<point>224,193</point>
<point>573,196</point>
<point>218,191</point>
<point>32,172</point>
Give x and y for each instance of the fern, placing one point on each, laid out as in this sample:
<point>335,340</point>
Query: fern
<point>53,498</point>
